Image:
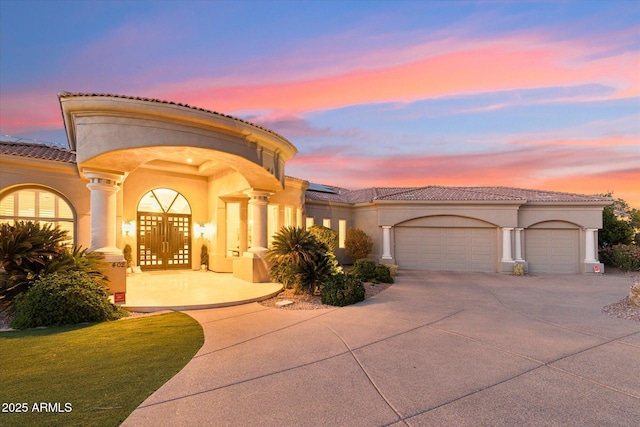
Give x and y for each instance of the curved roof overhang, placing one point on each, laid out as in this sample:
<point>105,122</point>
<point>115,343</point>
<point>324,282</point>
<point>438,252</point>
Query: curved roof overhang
<point>121,134</point>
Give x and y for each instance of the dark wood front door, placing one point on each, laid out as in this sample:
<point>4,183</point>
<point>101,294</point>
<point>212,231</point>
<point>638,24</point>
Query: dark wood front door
<point>164,241</point>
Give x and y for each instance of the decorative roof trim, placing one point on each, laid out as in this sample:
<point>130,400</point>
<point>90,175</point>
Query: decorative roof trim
<point>62,95</point>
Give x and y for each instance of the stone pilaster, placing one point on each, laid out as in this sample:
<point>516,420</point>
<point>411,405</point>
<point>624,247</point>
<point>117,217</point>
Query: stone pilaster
<point>386,243</point>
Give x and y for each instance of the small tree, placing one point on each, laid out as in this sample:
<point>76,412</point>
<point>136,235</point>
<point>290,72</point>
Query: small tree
<point>616,224</point>
<point>204,256</point>
<point>358,244</point>
<point>128,257</point>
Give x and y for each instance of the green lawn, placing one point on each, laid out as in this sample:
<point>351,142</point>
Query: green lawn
<point>91,375</point>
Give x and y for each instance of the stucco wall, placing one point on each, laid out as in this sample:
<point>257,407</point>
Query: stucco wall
<point>60,177</point>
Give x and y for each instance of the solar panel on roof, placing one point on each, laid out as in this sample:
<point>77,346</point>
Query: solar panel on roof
<point>322,188</point>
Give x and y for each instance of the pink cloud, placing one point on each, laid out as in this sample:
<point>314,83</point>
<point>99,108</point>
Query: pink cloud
<point>501,65</point>
<point>552,168</point>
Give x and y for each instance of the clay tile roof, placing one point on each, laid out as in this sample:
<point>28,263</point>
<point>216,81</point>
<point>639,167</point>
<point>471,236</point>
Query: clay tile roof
<point>160,101</point>
<point>448,194</point>
<point>36,150</point>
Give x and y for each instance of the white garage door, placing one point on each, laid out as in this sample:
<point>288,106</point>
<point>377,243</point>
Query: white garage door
<point>452,249</point>
<point>552,250</point>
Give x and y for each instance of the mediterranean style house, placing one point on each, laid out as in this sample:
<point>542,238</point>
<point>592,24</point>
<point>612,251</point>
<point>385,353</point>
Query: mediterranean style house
<point>168,179</point>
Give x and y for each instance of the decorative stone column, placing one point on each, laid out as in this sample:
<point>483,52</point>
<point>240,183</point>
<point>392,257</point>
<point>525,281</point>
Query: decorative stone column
<point>507,263</point>
<point>386,242</point>
<point>518,245</point>
<point>506,245</point>
<point>253,266</point>
<point>259,200</point>
<point>104,186</point>
<point>591,263</point>
<point>590,255</point>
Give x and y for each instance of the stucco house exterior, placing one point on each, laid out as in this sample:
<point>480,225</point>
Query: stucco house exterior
<point>168,178</point>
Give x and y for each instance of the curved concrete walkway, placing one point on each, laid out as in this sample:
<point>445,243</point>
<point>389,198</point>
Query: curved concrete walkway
<point>434,349</point>
<point>189,290</point>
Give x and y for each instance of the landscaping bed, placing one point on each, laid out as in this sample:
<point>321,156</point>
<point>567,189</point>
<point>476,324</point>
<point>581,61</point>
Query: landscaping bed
<point>304,301</point>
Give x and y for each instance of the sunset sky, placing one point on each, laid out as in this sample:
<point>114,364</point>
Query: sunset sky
<point>539,95</point>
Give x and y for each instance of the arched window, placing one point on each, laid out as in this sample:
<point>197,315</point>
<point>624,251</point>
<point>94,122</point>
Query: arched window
<point>38,204</point>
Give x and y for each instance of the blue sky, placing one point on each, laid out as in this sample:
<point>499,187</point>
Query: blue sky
<point>531,94</point>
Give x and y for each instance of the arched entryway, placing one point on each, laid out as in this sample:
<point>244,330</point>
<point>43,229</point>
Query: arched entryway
<point>164,230</point>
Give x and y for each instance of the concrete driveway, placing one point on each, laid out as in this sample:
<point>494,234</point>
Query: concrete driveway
<point>436,348</point>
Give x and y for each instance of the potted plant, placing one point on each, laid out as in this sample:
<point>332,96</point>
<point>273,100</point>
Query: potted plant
<point>127,256</point>
<point>204,258</point>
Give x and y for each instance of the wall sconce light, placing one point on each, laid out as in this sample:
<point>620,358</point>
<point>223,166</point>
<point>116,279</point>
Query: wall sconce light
<point>199,230</point>
<point>128,228</point>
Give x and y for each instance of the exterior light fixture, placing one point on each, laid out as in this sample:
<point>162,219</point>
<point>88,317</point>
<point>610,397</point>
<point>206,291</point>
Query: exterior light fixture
<point>128,228</point>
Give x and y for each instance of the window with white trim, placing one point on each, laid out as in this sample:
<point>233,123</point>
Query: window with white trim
<point>342,232</point>
<point>40,205</point>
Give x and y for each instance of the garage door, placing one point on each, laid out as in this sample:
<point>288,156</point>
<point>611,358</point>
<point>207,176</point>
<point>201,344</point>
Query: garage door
<point>552,250</point>
<point>452,249</point>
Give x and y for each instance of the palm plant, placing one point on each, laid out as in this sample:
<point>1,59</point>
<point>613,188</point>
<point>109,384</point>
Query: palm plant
<point>299,259</point>
<point>31,251</point>
<point>293,245</point>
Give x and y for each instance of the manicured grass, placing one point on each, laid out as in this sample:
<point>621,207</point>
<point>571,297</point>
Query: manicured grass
<point>104,371</point>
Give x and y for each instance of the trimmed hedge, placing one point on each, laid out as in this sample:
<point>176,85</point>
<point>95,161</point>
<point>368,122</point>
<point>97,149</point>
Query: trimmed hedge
<point>64,299</point>
<point>364,269</point>
<point>383,274</point>
<point>342,289</point>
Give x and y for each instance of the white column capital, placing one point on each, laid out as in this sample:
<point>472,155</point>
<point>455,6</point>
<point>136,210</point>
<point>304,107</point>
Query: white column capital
<point>102,177</point>
<point>258,197</point>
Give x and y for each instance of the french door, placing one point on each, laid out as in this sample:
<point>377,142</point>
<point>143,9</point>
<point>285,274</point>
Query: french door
<point>164,240</point>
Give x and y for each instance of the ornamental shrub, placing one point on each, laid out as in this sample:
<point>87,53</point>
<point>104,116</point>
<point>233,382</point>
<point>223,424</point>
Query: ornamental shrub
<point>64,299</point>
<point>342,289</point>
<point>327,236</point>
<point>357,244</point>
<point>625,257</point>
<point>383,274</point>
<point>364,269</point>
<point>299,260</point>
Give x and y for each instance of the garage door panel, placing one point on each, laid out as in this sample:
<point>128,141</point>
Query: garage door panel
<point>453,249</point>
<point>552,250</point>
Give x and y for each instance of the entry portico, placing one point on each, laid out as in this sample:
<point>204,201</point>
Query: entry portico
<point>210,159</point>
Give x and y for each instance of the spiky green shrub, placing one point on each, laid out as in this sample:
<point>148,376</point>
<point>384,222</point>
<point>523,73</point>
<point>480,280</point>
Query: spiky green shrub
<point>364,269</point>
<point>342,289</point>
<point>64,299</point>
<point>25,249</point>
<point>31,251</point>
<point>299,260</point>
<point>357,244</point>
<point>383,274</point>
